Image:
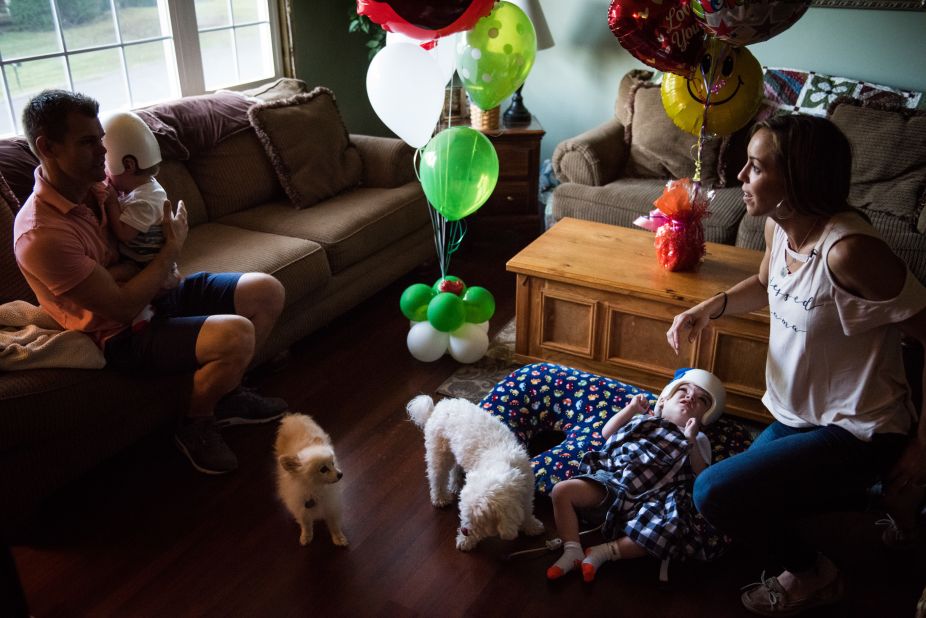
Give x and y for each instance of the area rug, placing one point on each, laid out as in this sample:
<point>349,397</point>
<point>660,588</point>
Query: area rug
<point>729,435</point>
<point>474,381</point>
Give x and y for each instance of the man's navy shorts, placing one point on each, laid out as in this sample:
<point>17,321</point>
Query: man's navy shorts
<point>167,343</point>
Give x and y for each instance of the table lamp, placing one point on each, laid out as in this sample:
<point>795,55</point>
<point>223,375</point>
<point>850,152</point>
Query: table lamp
<point>517,115</point>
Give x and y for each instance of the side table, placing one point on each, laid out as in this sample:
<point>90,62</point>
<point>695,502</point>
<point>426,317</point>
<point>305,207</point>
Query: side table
<point>517,191</point>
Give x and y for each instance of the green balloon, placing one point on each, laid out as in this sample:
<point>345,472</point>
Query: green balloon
<point>449,284</point>
<point>446,312</point>
<point>459,169</point>
<point>494,58</point>
<point>479,304</point>
<point>414,301</point>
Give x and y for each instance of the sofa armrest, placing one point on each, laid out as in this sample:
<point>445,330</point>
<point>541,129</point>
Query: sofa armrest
<point>387,161</point>
<point>594,158</point>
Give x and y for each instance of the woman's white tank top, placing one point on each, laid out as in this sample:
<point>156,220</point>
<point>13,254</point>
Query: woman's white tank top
<point>835,358</point>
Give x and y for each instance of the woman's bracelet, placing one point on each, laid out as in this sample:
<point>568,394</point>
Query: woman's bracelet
<point>722,309</point>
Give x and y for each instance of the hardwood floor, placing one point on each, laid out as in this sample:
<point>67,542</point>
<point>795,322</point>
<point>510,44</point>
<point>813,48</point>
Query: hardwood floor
<point>144,535</point>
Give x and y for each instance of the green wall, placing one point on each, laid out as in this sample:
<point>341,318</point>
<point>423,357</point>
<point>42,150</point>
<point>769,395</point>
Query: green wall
<point>573,85</point>
<point>327,55</point>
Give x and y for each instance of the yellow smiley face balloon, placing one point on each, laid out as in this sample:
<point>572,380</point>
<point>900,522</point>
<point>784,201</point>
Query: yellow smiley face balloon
<point>728,83</point>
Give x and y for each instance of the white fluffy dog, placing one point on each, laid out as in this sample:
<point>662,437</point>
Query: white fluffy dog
<point>308,475</point>
<point>498,495</point>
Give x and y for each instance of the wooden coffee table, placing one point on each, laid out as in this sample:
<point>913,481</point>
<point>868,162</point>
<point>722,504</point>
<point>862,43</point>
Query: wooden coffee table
<point>592,296</point>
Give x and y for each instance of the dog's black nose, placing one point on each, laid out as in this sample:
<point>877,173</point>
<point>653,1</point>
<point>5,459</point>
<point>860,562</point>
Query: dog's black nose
<point>340,474</point>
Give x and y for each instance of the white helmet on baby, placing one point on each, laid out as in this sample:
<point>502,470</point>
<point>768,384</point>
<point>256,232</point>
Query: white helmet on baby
<point>705,380</point>
<point>126,134</point>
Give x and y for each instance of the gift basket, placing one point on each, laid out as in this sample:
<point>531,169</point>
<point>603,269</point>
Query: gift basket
<point>677,222</point>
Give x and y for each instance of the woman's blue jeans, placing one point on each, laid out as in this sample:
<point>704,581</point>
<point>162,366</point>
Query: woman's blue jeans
<point>756,497</point>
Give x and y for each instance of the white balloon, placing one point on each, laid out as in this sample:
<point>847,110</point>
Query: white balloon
<point>445,53</point>
<point>442,50</point>
<point>484,326</point>
<point>426,343</point>
<point>468,343</point>
<point>406,90</point>
<point>397,37</point>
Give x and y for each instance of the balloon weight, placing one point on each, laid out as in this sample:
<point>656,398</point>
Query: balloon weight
<point>468,343</point>
<point>446,312</point>
<point>425,343</point>
<point>479,304</point>
<point>414,302</point>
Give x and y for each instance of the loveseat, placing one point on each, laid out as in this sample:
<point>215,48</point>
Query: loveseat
<point>613,172</point>
<point>273,183</point>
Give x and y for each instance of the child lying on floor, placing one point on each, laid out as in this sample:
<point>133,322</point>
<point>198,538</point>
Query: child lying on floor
<point>639,485</point>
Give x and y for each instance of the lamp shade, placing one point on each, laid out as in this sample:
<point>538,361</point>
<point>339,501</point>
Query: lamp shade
<point>533,10</point>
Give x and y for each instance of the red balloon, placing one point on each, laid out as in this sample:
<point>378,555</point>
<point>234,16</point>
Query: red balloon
<point>663,35</point>
<point>744,22</point>
<point>425,19</point>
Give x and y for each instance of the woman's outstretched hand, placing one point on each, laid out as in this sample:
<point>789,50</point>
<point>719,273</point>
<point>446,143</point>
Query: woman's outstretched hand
<point>687,324</point>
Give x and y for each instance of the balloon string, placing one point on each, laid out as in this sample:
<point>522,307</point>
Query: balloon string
<point>449,90</point>
<point>458,231</point>
<point>444,247</point>
<point>707,75</point>
<point>438,223</point>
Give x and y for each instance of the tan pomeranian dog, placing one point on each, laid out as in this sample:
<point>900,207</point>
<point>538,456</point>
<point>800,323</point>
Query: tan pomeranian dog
<point>308,475</point>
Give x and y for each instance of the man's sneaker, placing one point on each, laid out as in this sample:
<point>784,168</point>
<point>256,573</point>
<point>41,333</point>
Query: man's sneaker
<point>201,442</point>
<point>243,406</point>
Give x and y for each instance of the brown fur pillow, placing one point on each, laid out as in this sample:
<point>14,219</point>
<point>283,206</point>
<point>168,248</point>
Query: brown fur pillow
<point>308,146</point>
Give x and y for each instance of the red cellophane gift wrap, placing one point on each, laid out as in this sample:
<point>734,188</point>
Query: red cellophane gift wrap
<point>680,236</point>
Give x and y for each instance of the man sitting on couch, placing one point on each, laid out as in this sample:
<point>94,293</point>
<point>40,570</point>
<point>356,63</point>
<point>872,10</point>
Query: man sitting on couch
<point>210,324</point>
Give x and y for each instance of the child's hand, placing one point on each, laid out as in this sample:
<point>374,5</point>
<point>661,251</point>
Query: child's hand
<point>692,427</point>
<point>173,278</point>
<point>639,404</point>
<point>175,226</point>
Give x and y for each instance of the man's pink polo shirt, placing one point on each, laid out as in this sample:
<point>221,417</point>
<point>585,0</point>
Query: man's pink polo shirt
<point>58,244</point>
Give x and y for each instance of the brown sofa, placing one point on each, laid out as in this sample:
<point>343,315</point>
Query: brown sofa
<point>274,184</point>
<point>613,172</point>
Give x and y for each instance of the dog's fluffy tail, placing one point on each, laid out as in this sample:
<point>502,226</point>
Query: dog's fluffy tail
<point>419,409</point>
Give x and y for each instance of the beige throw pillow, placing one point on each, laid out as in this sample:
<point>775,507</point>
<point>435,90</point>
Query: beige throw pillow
<point>658,148</point>
<point>308,146</point>
<point>888,157</point>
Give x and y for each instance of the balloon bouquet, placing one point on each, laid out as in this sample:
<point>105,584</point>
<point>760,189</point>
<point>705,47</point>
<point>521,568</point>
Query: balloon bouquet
<point>712,87</point>
<point>492,46</point>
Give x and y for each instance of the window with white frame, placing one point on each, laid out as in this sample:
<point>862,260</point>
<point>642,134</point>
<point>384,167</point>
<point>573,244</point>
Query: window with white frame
<point>131,53</point>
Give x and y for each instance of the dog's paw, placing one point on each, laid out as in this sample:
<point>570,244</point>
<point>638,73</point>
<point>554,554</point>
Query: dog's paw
<point>533,527</point>
<point>466,543</point>
<point>339,539</point>
<point>442,500</point>
<point>305,538</point>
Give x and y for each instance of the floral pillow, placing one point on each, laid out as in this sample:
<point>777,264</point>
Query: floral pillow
<point>806,92</point>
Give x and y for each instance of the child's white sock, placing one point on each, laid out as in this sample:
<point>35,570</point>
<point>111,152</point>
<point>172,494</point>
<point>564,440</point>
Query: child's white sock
<point>572,556</point>
<point>598,555</point>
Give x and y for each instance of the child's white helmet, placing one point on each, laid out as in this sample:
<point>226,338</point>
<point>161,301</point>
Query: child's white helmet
<point>705,380</point>
<point>126,134</point>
